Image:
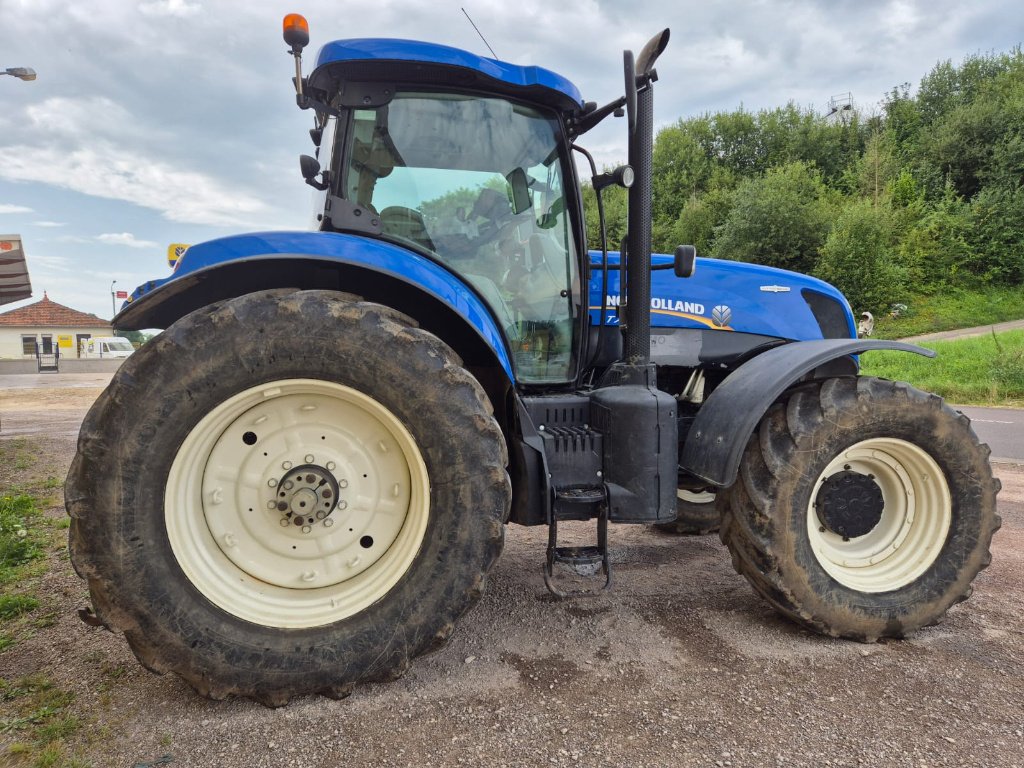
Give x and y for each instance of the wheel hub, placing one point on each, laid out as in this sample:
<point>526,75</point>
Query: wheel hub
<point>849,504</point>
<point>306,495</point>
<point>297,502</point>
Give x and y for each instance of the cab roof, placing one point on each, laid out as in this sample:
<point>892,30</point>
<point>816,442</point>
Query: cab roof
<point>411,61</point>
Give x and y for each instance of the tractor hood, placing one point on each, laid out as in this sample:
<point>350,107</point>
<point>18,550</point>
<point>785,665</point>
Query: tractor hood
<point>732,296</point>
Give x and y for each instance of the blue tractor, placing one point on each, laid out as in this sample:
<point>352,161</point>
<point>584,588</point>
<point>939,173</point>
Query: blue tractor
<point>303,482</point>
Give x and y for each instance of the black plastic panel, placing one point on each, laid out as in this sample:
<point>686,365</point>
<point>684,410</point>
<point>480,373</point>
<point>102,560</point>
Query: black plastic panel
<point>830,314</point>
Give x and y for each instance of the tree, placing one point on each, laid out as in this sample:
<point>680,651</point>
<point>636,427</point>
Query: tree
<point>934,247</point>
<point>997,235</point>
<point>780,219</point>
<point>876,168</point>
<point>857,257</point>
<point>682,165</point>
<point>697,222</point>
<point>616,208</point>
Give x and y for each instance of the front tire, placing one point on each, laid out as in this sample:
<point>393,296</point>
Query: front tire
<point>288,493</point>
<point>864,508</point>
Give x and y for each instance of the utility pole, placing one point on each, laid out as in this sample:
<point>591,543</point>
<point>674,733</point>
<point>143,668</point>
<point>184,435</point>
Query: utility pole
<point>113,306</point>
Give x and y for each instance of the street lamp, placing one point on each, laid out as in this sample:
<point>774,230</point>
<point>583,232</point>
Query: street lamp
<point>22,73</point>
<point>113,306</point>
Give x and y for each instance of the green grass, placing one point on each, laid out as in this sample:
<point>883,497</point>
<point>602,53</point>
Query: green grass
<point>20,540</point>
<point>36,716</point>
<point>953,309</point>
<point>982,370</point>
<point>13,606</point>
<point>39,724</point>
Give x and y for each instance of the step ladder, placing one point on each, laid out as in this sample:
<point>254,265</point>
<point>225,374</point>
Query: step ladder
<point>578,503</point>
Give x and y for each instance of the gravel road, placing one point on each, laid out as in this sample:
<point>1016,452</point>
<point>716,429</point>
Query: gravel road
<point>680,665</point>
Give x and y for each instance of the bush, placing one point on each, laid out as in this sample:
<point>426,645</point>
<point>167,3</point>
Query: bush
<point>857,258</point>
<point>781,220</point>
<point>998,236</point>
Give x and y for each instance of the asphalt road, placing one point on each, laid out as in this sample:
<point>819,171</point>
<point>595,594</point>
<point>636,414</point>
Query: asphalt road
<point>1001,428</point>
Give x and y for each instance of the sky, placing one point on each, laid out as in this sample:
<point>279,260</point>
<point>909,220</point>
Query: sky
<point>154,122</point>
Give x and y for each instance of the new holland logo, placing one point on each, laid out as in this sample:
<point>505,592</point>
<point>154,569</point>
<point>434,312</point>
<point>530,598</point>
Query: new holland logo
<point>721,315</point>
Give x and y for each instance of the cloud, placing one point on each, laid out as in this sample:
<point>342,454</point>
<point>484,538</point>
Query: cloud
<point>125,238</point>
<point>8,208</point>
<point>48,224</point>
<point>52,263</point>
<point>109,238</point>
<point>179,8</point>
<point>103,169</point>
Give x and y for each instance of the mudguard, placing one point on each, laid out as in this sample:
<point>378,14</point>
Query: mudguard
<point>230,266</point>
<point>727,419</point>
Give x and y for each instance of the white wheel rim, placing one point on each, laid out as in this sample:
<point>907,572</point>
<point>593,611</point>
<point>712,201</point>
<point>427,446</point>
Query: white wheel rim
<point>913,527</point>
<point>252,560</point>
<point>695,497</point>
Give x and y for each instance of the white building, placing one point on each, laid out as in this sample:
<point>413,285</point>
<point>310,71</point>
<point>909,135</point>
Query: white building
<point>47,327</point>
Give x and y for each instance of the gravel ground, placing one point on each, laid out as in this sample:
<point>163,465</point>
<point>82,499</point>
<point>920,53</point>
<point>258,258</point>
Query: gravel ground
<point>680,665</point>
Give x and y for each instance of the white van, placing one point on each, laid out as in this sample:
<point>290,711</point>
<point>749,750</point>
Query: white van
<point>108,347</point>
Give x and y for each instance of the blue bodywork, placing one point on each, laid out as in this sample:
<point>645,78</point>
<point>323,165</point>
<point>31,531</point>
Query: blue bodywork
<point>759,299</point>
<point>340,52</point>
<point>344,249</point>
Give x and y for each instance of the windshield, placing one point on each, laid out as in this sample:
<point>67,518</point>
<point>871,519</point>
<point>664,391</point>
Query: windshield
<point>477,184</point>
<point>119,345</point>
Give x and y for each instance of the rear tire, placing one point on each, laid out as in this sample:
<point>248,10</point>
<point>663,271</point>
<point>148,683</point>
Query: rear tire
<point>288,494</point>
<point>696,514</point>
<point>896,535</point>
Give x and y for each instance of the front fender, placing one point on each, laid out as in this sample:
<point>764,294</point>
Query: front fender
<point>724,424</point>
<point>232,266</point>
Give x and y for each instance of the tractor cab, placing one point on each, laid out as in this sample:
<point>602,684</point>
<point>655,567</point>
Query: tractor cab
<point>470,169</point>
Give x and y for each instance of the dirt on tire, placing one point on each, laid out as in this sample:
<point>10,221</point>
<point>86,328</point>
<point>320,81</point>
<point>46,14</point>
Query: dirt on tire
<point>680,665</point>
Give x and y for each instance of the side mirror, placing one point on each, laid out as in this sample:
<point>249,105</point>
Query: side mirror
<point>629,72</point>
<point>520,186</point>
<point>310,167</point>
<point>685,261</point>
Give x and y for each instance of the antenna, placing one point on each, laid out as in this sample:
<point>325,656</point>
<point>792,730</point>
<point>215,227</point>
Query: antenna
<point>480,33</point>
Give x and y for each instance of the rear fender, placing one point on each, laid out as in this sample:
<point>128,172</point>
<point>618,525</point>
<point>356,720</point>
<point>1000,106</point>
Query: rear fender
<point>222,269</point>
<point>724,424</point>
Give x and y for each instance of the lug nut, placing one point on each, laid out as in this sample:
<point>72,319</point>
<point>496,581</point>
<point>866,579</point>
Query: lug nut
<point>306,529</point>
<point>343,483</point>
<point>328,522</point>
<point>286,465</point>
<point>331,465</point>
<point>284,522</point>
<point>309,458</point>
<point>272,482</point>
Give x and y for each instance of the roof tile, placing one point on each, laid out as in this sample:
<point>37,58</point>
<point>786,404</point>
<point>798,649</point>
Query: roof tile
<point>49,313</point>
